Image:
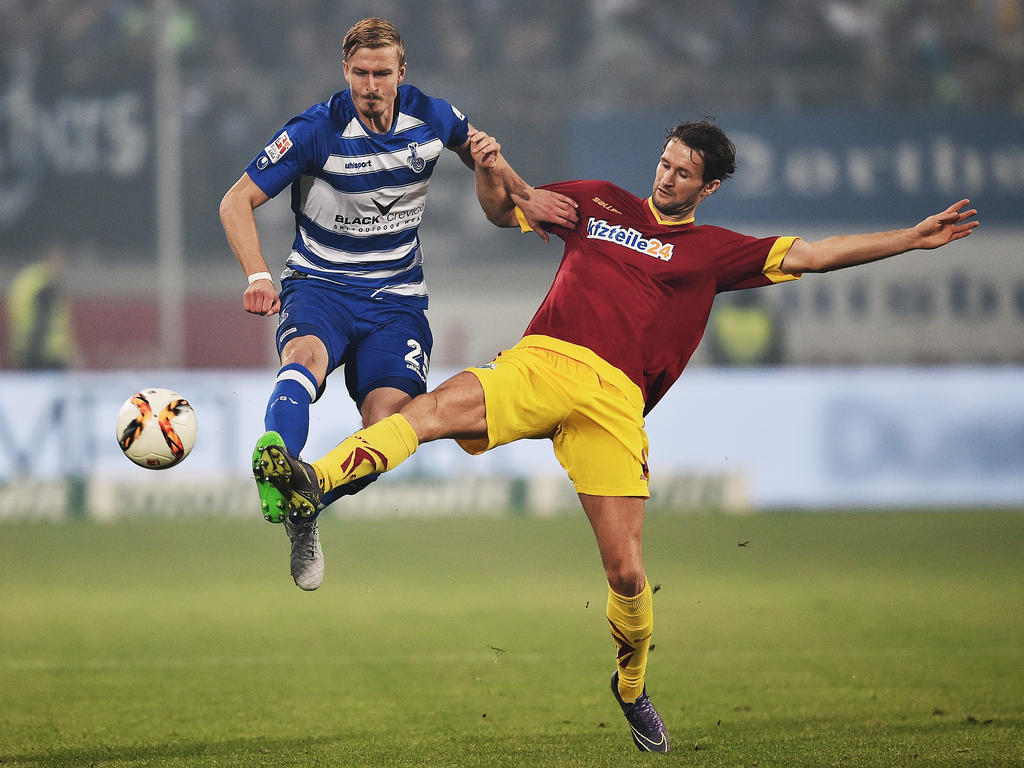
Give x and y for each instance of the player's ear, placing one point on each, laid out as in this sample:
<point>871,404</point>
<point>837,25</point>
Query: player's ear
<point>401,73</point>
<point>710,188</point>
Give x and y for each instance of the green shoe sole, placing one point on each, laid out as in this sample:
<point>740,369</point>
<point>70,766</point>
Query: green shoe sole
<point>266,469</point>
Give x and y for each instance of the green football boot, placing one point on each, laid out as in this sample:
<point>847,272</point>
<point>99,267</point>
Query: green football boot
<point>287,486</point>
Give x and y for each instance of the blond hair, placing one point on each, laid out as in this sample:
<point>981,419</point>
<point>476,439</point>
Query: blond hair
<point>373,33</point>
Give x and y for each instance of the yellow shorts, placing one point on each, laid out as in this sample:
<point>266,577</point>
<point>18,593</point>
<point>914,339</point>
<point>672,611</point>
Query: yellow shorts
<point>591,411</point>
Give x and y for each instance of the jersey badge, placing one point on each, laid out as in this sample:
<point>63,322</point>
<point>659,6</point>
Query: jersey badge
<point>276,150</point>
<point>415,162</point>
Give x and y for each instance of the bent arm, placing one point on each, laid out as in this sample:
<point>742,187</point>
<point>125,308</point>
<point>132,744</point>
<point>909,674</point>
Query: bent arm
<point>540,207</point>
<point>237,216</point>
<point>239,221</point>
<point>845,251</point>
<point>464,151</point>
<point>491,192</point>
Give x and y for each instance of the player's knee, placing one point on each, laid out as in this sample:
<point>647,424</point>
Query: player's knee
<point>455,409</point>
<point>626,579</point>
<point>425,415</point>
<point>309,352</point>
<point>381,403</point>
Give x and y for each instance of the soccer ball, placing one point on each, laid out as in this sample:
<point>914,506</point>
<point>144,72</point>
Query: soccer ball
<point>156,428</point>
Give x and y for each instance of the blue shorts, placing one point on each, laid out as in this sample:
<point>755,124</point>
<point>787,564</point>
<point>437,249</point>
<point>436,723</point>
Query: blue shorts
<point>380,341</point>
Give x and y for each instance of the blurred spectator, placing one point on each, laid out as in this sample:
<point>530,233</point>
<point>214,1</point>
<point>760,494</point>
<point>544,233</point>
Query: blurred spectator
<point>39,315</point>
<point>531,66</point>
<point>743,330</point>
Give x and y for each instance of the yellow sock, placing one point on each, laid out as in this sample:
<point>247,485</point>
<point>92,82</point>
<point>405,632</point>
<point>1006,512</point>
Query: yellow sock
<point>632,623</point>
<point>377,448</point>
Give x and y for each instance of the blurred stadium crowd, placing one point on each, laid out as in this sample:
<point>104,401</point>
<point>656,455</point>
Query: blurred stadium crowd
<point>247,65</point>
<point>518,67</point>
<point>759,53</point>
<point>79,117</point>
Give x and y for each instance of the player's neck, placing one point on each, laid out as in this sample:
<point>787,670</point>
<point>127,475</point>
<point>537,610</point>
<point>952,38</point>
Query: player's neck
<point>381,123</point>
<point>683,217</point>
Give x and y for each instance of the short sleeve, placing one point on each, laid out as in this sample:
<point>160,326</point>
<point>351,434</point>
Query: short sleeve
<point>289,155</point>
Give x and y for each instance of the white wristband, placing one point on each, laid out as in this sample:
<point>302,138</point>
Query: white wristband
<point>260,276</point>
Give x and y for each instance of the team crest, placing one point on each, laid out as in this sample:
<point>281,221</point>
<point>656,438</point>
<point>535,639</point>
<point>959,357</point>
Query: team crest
<point>415,162</point>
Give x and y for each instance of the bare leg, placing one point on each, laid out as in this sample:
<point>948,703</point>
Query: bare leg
<point>618,525</point>
<point>381,403</point>
<point>455,409</point>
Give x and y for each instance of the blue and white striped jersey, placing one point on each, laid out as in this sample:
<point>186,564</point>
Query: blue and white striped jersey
<point>359,196</point>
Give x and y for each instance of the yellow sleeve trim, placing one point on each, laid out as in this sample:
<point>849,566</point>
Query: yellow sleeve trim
<point>774,261</point>
<point>524,225</point>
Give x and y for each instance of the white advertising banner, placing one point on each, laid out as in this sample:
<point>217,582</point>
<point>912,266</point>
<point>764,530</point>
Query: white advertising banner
<point>800,438</point>
<point>851,437</point>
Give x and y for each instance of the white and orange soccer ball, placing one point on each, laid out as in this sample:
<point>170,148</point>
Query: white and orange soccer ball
<point>156,428</point>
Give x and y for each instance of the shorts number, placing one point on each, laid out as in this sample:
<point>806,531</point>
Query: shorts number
<point>417,361</point>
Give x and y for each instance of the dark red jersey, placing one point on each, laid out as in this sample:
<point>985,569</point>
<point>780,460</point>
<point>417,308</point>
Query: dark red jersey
<point>637,290</point>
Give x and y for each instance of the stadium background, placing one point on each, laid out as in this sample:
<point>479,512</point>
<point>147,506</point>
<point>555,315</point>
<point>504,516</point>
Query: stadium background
<point>122,124</point>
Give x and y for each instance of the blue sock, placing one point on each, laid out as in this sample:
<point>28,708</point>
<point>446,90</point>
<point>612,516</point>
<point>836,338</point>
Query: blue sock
<point>288,406</point>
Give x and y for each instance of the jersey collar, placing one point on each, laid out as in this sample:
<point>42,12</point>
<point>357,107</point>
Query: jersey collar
<point>662,220</point>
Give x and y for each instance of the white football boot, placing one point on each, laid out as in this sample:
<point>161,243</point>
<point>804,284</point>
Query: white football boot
<point>307,559</point>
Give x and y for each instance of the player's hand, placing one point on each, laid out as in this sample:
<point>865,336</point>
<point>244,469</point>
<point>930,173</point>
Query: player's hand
<point>947,226</point>
<point>484,149</point>
<point>261,298</point>
<point>543,209</point>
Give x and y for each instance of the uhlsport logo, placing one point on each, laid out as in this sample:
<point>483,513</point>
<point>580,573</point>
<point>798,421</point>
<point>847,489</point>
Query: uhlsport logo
<point>599,229</point>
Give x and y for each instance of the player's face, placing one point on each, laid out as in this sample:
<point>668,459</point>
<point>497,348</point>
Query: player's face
<point>679,182</point>
<point>373,75</point>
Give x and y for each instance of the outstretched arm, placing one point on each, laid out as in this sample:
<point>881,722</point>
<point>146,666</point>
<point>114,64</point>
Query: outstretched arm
<point>850,250</point>
<point>542,208</point>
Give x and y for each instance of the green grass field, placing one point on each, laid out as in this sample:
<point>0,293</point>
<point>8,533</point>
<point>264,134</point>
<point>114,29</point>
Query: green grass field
<point>780,640</point>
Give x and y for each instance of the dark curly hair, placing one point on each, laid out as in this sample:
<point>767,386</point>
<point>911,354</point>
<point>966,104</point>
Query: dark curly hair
<point>710,142</point>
